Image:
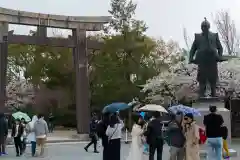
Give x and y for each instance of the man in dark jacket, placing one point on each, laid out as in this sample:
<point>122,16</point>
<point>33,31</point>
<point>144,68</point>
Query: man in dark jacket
<point>3,133</point>
<point>154,137</point>
<point>101,131</point>
<point>17,133</point>
<point>93,134</point>
<point>176,139</point>
<point>213,123</point>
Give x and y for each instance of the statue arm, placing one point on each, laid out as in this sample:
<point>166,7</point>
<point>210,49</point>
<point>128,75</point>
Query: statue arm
<point>219,46</point>
<point>193,50</point>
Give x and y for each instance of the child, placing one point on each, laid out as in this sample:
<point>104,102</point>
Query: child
<point>225,144</point>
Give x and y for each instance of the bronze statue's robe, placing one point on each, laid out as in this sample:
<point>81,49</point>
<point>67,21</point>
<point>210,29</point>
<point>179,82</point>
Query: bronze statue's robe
<point>206,52</point>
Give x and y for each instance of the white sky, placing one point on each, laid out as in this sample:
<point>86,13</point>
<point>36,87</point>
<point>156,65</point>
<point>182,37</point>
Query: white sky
<point>165,18</point>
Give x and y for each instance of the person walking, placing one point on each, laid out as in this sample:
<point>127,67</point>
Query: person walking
<point>6,135</point>
<point>24,136</point>
<point>93,134</point>
<point>31,134</point>
<point>50,122</point>
<point>3,134</point>
<point>154,137</point>
<point>41,131</point>
<point>17,133</point>
<point>213,123</point>
<point>176,139</point>
<point>192,138</point>
<point>114,133</point>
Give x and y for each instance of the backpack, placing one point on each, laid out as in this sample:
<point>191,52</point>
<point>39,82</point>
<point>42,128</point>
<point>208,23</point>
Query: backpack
<point>202,136</point>
<point>175,137</point>
<point>101,129</point>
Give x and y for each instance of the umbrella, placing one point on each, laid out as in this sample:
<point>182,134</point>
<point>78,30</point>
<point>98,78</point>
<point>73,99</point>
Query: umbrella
<point>184,110</point>
<point>136,107</point>
<point>20,115</point>
<point>115,107</point>
<point>153,107</point>
<point>142,114</point>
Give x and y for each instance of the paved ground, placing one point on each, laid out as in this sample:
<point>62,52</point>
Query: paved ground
<point>64,136</point>
<point>75,151</point>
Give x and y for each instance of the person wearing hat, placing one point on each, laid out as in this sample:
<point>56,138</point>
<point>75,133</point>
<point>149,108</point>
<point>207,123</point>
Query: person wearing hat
<point>192,137</point>
<point>213,123</point>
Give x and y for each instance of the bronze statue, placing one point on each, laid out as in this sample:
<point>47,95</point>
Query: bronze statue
<point>206,52</point>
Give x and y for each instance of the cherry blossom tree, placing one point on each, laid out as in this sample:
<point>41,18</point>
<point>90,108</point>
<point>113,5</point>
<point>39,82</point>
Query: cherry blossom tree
<point>180,81</point>
<point>19,93</point>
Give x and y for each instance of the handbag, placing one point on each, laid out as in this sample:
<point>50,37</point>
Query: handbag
<point>109,138</point>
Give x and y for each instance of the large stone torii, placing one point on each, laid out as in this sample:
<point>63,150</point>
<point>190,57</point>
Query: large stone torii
<point>78,42</point>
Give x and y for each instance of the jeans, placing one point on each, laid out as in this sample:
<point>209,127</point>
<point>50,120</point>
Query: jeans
<point>33,147</point>
<point>177,153</point>
<point>214,148</point>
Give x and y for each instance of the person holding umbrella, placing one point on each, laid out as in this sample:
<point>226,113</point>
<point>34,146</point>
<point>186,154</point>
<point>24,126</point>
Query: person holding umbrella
<point>154,137</point>
<point>192,137</point>
<point>17,133</point>
<point>101,131</point>
<point>114,133</point>
<point>176,138</point>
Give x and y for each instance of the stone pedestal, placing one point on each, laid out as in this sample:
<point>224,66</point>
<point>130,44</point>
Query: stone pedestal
<point>206,102</point>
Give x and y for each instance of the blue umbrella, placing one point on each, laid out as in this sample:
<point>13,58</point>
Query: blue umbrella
<point>115,107</point>
<point>142,114</point>
<point>184,110</point>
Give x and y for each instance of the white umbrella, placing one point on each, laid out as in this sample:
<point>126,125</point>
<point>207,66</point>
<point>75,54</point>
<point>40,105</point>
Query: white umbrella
<point>153,107</point>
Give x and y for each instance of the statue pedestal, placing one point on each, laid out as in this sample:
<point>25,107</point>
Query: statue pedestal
<point>206,102</point>
<point>203,106</point>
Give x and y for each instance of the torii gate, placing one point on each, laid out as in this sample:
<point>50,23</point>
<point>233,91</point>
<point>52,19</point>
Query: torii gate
<point>78,42</point>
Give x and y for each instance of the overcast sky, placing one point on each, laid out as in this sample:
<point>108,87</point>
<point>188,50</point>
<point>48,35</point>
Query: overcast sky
<point>165,18</point>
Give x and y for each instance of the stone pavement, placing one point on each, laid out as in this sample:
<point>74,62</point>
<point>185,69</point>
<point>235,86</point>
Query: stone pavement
<point>59,136</point>
<point>75,151</point>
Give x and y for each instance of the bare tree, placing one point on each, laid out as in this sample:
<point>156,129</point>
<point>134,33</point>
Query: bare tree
<point>227,30</point>
<point>187,39</point>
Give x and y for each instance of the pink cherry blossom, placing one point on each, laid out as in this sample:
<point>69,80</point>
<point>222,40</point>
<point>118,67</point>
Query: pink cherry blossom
<point>180,81</point>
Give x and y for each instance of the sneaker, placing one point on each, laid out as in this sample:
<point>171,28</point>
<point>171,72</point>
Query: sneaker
<point>86,149</point>
<point>4,153</point>
<point>96,152</point>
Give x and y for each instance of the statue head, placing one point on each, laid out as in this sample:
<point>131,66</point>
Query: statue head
<point>205,26</point>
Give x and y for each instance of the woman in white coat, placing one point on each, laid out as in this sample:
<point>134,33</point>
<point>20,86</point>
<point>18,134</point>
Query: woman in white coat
<point>136,152</point>
<point>31,134</point>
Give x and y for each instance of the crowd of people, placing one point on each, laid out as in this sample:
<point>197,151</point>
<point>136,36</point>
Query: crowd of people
<point>183,135</point>
<point>34,132</point>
